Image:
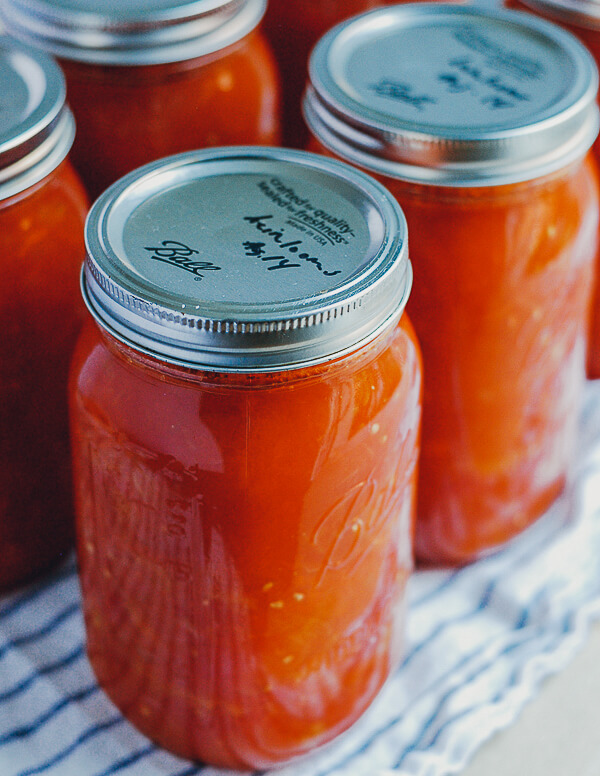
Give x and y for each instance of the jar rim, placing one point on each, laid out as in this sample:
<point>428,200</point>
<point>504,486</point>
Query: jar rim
<point>36,126</point>
<point>483,110</point>
<point>179,267</point>
<point>583,13</point>
<point>131,32</point>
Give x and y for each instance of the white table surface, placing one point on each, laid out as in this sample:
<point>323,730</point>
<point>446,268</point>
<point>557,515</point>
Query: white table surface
<point>558,733</point>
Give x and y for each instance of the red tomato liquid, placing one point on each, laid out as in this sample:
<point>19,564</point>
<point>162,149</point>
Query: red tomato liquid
<point>244,542</point>
<point>500,304</point>
<point>591,39</point>
<point>41,249</point>
<point>293,27</point>
<point>130,115</point>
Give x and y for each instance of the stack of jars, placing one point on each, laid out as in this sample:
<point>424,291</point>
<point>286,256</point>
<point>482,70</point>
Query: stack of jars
<point>246,391</point>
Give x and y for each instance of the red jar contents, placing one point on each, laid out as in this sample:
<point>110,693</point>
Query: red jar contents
<point>245,457</point>
<point>497,449</point>
<point>42,212</point>
<point>502,242</point>
<point>163,80</point>
<point>582,20</point>
<point>293,27</point>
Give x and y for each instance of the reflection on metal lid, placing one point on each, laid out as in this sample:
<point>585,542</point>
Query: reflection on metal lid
<point>131,32</point>
<point>36,129</point>
<point>582,13</point>
<point>246,259</point>
<point>453,95</point>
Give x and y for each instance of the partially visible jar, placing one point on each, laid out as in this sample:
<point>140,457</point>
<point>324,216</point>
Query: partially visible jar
<point>583,20</point>
<point>293,27</point>
<point>485,146</point>
<point>42,213</point>
<point>245,417</point>
<point>147,78</point>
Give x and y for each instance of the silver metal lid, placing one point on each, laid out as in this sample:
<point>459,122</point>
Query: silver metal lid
<point>36,129</point>
<point>580,13</point>
<point>453,95</point>
<point>246,259</point>
<point>131,32</point>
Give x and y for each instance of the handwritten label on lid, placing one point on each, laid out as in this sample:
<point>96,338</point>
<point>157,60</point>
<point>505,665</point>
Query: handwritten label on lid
<point>455,74</point>
<point>248,238</point>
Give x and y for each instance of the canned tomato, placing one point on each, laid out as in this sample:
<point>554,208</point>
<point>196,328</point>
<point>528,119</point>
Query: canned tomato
<point>147,78</point>
<point>42,212</point>
<point>293,27</point>
<point>245,416</point>
<point>583,20</point>
<point>479,121</point>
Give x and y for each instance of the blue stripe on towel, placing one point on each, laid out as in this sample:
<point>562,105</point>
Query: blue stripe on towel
<point>81,739</point>
<point>520,624</point>
<point>39,589</point>
<point>33,727</point>
<point>46,630</point>
<point>125,762</point>
<point>44,670</point>
<point>422,736</point>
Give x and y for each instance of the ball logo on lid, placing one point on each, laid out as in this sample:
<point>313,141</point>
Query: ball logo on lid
<point>402,92</point>
<point>179,255</point>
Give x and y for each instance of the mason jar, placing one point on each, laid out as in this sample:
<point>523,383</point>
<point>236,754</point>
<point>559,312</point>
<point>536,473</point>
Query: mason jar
<point>583,20</point>
<point>42,212</point>
<point>245,407</point>
<point>147,78</point>
<point>292,28</point>
<point>480,122</point>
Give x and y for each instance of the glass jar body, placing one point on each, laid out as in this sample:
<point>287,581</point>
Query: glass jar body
<point>130,115</point>
<point>590,37</point>
<point>244,541</point>
<point>41,249</point>
<point>500,304</point>
<point>293,27</point>
<point>502,300</point>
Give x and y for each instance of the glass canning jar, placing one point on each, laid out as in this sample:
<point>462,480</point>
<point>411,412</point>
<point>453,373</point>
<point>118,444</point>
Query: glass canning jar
<point>148,78</point>
<point>485,145</point>
<point>42,212</point>
<point>583,20</point>
<point>245,415</point>
<point>293,27</point>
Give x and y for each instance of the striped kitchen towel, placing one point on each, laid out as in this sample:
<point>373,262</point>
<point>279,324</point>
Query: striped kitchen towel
<point>480,640</point>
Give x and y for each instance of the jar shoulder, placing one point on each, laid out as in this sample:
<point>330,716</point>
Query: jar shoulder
<point>113,386</point>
